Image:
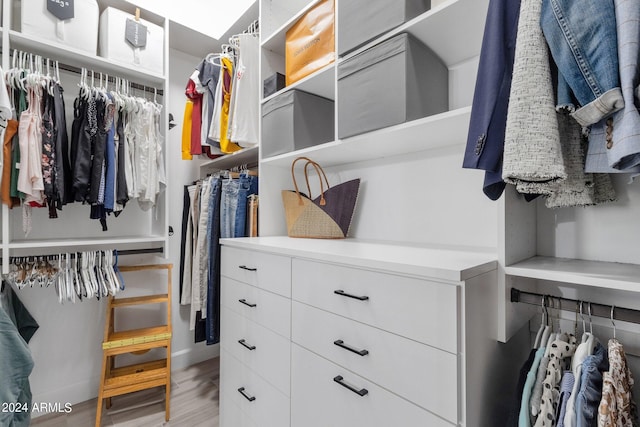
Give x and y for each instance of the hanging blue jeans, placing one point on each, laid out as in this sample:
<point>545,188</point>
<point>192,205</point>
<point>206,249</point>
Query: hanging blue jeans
<point>212,328</point>
<point>229,205</point>
<point>248,185</point>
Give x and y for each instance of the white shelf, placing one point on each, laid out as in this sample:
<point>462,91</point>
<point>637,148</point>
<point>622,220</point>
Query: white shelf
<point>452,30</point>
<point>441,130</point>
<point>276,41</point>
<point>78,58</point>
<point>241,157</point>
<point>98,241</point>
<point>608,275</point>
<point>320,83</point>
<point>445,263</point>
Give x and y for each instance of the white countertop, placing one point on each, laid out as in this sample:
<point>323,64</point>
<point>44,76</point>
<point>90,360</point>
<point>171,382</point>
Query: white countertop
<point>444,263</point>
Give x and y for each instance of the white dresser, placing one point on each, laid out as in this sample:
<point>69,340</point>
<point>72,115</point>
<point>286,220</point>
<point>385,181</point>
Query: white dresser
<point>348,333</point>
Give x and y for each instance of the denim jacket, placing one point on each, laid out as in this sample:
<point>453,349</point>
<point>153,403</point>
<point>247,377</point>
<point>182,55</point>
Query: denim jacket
<point>582,40</point>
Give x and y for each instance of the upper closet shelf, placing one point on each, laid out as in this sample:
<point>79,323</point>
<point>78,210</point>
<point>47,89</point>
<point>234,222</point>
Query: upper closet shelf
<point>447,129</point>
<point>246,156</point>
<point>275,41</point>
<point>77,58</point>
<point>320,83</point>
<point>608,275</point>
<point>452,30</point>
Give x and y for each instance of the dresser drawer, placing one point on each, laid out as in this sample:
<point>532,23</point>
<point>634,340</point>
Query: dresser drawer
<point>422,374</point>
<point>266,271</point>
<point>422,310</point>
<point>268,309</point>
<point>257,399</point>
<point>318,400</point>
<point>262,350</point>
<point>232,416</point>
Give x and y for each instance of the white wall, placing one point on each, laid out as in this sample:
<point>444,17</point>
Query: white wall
<point>67,347</point>
<point>605,232</point>
<point>422,198</point>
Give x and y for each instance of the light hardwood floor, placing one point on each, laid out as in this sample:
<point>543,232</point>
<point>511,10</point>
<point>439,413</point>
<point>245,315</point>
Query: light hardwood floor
<point>194,403</point>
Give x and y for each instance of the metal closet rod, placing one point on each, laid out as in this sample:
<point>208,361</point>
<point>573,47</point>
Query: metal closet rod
<point>560,303</point>
<point>112,79</point>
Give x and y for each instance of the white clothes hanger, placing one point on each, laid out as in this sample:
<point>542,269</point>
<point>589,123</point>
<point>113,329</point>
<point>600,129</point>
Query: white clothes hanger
<point>613,307</point>
<point>543,323</point>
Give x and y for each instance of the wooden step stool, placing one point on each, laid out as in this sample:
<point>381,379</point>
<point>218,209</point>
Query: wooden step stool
<point>128,379</point>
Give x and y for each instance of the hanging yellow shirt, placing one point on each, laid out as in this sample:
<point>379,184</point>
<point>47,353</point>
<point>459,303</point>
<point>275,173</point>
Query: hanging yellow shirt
<point>186,131</point>
<point>227,74</point>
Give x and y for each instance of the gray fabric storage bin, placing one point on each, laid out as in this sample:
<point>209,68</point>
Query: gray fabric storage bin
<point>295,120</point>
<point>394,82</point>
<point>362,20</point>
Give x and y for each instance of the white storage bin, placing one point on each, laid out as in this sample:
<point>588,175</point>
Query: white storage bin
<point>114,46</point>
<point>80,32</point>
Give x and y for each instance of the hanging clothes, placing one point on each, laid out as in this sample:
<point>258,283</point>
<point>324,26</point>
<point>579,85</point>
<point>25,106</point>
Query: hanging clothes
<point>246,90</point>
<point>589,69</point>
<point>83,133</point>
<point>566,387</point>
<point>617,406</point>
<point>16,365</point>
<point>48,161</point>
<point>210,212</point>
<point>122,192</point>
<point>196,116</point>
<point>63,183</point>
<point>562,349</point>
<point>532,152</point>
<point>208,77</point>
<point>7,150</point>
<point>524,419</point>
<point>590,394</point>
<point>186,130</point>
<point>227,75</point>
<point>485,141</point>
<point>621,139</point>
<point>30,181</point>
<point>185,248</point>
<point>212,327</point>
<point>17,312</point>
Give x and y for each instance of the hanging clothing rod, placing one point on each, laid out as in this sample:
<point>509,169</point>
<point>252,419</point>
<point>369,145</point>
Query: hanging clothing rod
<point>120,252</point>
<point>112,79</point>
<point>560,303</point>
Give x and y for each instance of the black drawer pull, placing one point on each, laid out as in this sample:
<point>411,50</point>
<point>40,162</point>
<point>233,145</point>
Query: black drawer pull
<point>360,392</point>
<point>344,294</point>
<point>244,267</point>
<point>244,301</point>
<point>246,396</point>
<point>244,344</point>
<point>341,344</point>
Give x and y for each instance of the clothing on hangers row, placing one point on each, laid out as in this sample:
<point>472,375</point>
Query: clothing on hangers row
<point>74,276</point>
<point>550,115</point>
<point>221,112</point>
<point>566,382</point>
<point>215,207</point>
<point>115,152</point>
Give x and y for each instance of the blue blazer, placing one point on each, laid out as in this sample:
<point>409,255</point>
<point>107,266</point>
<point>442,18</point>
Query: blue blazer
<point>485,142</point>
